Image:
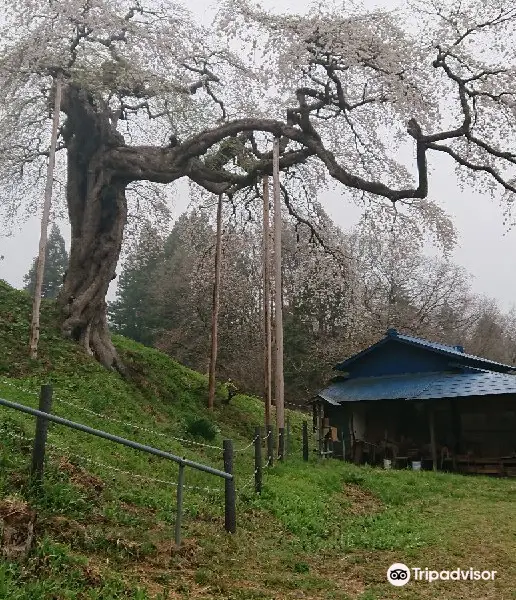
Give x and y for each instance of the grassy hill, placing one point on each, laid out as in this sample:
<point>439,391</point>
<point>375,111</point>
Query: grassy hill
<point>104,518</point>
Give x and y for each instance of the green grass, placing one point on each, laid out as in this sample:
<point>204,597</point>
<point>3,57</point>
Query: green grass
<point>322,529</point>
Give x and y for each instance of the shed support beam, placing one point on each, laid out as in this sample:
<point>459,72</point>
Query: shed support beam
<point>456,430</point>
<point>431,418</point>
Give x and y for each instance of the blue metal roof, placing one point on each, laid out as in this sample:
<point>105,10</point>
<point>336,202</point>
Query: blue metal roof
<point>420,386</point>
<point>452,351</point>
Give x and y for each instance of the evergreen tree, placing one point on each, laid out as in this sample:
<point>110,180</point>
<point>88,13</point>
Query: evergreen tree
<point>56,263</point>
<point>133,314</point>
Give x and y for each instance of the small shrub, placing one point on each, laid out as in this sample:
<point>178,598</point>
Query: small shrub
<point>202,428</point>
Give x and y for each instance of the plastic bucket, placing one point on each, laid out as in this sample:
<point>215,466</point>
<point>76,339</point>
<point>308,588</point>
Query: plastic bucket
<point>416,465</point>
<point>387,463</point>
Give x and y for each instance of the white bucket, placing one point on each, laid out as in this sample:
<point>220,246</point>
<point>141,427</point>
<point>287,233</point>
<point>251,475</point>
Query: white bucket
<point>416,465</point>
<point>387,463</point>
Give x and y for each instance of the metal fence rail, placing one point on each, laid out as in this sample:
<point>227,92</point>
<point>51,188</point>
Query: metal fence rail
<point>43,417</point>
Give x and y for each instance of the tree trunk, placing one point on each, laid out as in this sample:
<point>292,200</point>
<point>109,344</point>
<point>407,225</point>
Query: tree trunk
<point>94,253</point>
<point>97,210</point>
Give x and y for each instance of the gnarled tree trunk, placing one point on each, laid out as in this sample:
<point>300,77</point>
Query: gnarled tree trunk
<point>97,210</point>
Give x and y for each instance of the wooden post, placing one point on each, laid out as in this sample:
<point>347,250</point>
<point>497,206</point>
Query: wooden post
<point>287,438</point>
<point>215,308</point>
<point>279,383</point>
<point>40,266</point>
<point>305,441</point>
<point>40,440</point>
<point>456,430</point>
<point>229,485</point>
<point>257,461</point>
<point>343,444</point>
<point>281,444</point>
<point>320,413</point>
<point>270,446</point>
<point>179,508</point>
<point>267,305</point>
<point>432,438</point>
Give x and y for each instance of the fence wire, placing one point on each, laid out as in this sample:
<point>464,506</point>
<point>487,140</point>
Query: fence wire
<point>115,420</point>
<point>247,483</point>
<point>54,449</point>
<point>126,423</point>
<point>147,430</point>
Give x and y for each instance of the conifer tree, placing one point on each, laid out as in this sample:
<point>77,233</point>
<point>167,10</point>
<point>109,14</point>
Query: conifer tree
<point>56,261</point>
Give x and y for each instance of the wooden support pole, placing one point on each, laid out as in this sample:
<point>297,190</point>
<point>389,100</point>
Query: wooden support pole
<point>230,495</point>
<point>431,417</point>
<point>267,305</point>
<point>45,218</point>
<point>287,437</point>
<point>215,308</point>
<point>40,440</point>
<point>257,461</point>
<point>305,441</point>
<point>279,383</point>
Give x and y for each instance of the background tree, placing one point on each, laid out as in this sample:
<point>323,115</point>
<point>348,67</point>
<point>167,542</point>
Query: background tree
<point>133,313</point>
<point>337,300</point>
<point>56,262</point>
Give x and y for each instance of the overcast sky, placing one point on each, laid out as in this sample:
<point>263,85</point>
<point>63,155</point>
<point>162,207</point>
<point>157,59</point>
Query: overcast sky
<point>485,246</point>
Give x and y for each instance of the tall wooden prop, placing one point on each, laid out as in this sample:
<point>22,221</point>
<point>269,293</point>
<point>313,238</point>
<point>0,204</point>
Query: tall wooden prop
<point>267,306</point>
<point>215,307</point>
<point>40,270</point>
<point>279,384</point>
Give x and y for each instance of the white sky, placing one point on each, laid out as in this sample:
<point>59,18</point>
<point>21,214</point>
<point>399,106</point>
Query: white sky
<point>485,247</point>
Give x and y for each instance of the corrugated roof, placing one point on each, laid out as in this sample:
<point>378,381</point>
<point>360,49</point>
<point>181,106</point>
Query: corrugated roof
<point>420,386</point>
<point>451,351</point>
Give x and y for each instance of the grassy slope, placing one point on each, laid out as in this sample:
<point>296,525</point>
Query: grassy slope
<point>319,530</point>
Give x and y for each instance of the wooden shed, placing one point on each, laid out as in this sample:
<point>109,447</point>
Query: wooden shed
<point>408,400</point>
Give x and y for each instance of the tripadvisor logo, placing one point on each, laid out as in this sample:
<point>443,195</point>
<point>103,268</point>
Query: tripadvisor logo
<point>399,574</point>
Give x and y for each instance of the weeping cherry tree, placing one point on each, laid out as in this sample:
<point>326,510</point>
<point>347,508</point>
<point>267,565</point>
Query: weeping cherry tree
<point>149,97</point>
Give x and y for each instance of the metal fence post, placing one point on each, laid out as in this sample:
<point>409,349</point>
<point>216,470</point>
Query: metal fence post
<point>305,441</point>
<point>40,440</point>
<point>257,461</point>
<point>179,509</point>
<point>270,446</point>
<point>229,489</point>
<point>281,444</point>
